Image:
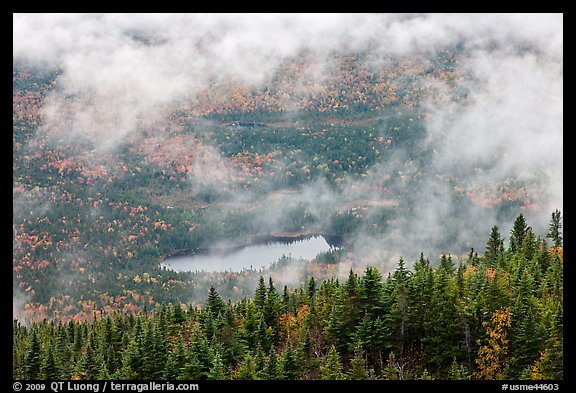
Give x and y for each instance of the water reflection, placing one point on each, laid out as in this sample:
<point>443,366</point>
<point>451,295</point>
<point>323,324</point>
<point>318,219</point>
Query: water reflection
<point>254,256</point>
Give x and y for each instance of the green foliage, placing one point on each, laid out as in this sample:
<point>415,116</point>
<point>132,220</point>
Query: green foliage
<point>483,320</point>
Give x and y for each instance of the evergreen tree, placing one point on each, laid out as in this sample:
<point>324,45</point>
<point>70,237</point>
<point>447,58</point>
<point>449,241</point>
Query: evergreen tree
<point>89,365</point>
<point>311,288</point>
<point>286,300</point>
<point>290,365</point>
<point>332,369</point>
<point>33,358</point>
<point>271,369</point>
<point>518,233</point>
<point>529,244</point>
<point>247,369</point>
<point>260,294</point>
<point>426,375</point>
<point>250,324</point>
<point>175,362</point>
<point>555,227</point>
<point>103,373</point>
<point>526,342</point>
<point>446,264</point>
<point>215,303</point>
<point>217,370</point>
<point>199,359</point>
<point>458,371</point>
<point>442,324</point>
<point>493,247</point>
<point>177,314</point>
<point>358,366</point>
<point>272,308</point>
<point>371,291</point>
<point>391,371</point>
<point>50,369</point>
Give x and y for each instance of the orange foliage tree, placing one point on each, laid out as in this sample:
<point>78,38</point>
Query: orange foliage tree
<point>493,356</point>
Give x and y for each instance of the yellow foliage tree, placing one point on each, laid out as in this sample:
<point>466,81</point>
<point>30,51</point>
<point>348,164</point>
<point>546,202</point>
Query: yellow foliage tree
<point>493,356</point>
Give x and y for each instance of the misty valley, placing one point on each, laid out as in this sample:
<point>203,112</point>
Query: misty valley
<point>199,197</point>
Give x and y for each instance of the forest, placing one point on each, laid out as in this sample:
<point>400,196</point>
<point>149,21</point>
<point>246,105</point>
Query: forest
<point>441,180</point>
<point>91,227</point>
<point>493,316</point>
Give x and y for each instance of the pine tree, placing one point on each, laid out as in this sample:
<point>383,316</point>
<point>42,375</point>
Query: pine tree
<point>63,353</point>
<point>493,247</point>
<point>358,366</point>
<point>398,318</point>
<point>50,369</point>
<point>199,359</point>
<point>526,342</point>
<point>554,232</point>
<point>419,300</point>
<point>332,369</point>
<point>352,289</point>
<point>260,294</point>
<point>33,358</point>
<point>446,264</point>
<point>286,300</point>
<point>371,293</point>
<point>89,366</point>
<point>426,375</point>
<point>250,324</point>
<point>160,348</point>
<point>215,303</point>
<point>272,367</point>
<point>442,323</point>
<point>528,244</point>
<point>290,364</point>
<point>391,372</point>
<point>103,373</point>
<point>133,360</point>
<point>175,362</point>
<point>246,369</point>
<point>217,370</point>
<point>518,233</point>
<point>272,308</point>
<point>311,288</point>
<point>458,371</point>
<point>177,314</point>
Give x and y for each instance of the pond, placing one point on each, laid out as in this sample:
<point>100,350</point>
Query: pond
<point>260,254</point>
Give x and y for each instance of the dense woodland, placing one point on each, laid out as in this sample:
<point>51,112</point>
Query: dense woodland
<point>90,228</point>
<point>493,316</point>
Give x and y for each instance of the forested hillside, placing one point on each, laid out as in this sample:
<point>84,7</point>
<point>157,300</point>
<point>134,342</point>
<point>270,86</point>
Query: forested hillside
<point>493,316</point>
<point>91,225</point>
<point>426,150</point>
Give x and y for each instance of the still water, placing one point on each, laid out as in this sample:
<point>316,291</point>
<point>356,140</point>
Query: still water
<point>254,256</point>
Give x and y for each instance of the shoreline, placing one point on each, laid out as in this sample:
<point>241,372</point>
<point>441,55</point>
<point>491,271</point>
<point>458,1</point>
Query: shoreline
<point>279,237</point>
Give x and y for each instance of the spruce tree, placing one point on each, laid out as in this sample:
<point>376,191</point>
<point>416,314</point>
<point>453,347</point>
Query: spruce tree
<point>50,369</point>
<point>215,303</point>
<point>33,358</point>
<point>260,294</point>
<point>371,293</point>
<point>332,368</point>
<point>246,369</point>
<point>272,308</point>
<point>358,366</point>
<point>217,370</point>
<point>555,227</point>
<point>518,233</point>
<point>493,247</point>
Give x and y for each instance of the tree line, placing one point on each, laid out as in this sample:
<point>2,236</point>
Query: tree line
<point>496,315</point>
